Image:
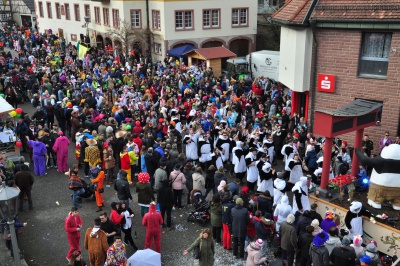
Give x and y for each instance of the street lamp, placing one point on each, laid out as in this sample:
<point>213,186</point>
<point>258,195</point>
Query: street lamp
<point>87,20</point>
<point>9,202</point>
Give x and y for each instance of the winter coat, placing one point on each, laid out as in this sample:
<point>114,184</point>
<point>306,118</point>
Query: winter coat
<point>207,250</point>
<point>145,193</point>
<point>159,175</point>
<point>302,225</point>
<point>61,146</point>
<point>311,160</point>
<point>216,214</point>
<point>304,243</point>
<point>151,161</point>
<point>165,197</point>
<point>341,256</point>
<point>319,255</point>
<point>122,188</point>
<point>218,177</point>
<point>288,235</point>
<point>264,204</point>
<point>178,180</point>
<point>226,212</point>
<point>188,172</point>
<point>210,179</point>
<point>332,242</point>
<point>109,162</point>
<point>240,219</point>
<point>199,182</point>
<point>24,180</point>
<point>263,232</point>
<point>254,255</point>
<point>152,220</point>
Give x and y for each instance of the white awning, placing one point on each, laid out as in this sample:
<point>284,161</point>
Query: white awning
<point>5,107</point>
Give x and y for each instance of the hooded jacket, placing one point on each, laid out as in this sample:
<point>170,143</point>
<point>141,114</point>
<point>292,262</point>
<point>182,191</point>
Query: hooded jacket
<point>199,182</point>
<point>332,242</point>
<point>319,255</point>
<point>96,241</point>
<point>254,255</point>
<point>145,193</point>
<point>152,220</point>
<point>282,211</point>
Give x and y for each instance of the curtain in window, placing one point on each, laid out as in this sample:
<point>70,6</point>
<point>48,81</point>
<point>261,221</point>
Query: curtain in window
<point>377,45</point>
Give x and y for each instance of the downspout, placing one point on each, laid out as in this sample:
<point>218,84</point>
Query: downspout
<point>313,88</point>
<point>148,31</point>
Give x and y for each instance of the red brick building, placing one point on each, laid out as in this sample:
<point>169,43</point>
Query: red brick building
<point>357,42</point>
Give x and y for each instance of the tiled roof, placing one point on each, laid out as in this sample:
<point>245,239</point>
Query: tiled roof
<point>214,52</point>
<point>359,10</point>
<point>292,12</point>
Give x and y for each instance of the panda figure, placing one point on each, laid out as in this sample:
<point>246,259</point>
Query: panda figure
<point>385,177</point>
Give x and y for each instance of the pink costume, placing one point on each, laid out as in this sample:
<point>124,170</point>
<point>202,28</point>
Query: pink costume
<point>61,149</point>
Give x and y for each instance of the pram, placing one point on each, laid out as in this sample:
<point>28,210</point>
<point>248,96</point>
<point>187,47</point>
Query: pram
<point>201,212</point>
<point>89,191</point>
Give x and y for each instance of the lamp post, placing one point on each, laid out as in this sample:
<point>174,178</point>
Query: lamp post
<point>87,20</point>
<point>9,203</point>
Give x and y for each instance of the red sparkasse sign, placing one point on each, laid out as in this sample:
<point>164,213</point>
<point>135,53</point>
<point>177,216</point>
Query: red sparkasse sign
<point>326,83</point>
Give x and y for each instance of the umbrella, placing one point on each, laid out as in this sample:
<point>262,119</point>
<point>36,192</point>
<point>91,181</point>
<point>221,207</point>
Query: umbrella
<point>146,257</point>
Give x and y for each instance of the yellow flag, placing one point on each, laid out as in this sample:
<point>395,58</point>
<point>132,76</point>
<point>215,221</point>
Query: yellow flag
<point>82,51</point>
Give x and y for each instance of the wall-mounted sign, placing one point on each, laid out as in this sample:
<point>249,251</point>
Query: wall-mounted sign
<point>326,83</point>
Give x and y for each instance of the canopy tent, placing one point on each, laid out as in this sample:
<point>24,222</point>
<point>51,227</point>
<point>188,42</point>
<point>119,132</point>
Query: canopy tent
<point>5,107</point>
<point>179,51</point>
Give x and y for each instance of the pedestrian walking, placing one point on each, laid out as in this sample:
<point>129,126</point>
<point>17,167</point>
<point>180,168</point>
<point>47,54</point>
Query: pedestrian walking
<point>61,149</point>
<point>216,217</point>
<point>99,188</point>
<point>152,221</point>
<point>75,184</point>
<point>73,225</point>
<point>24,180</point>
<point>206,246</point>
<point>39,156</point>
<point>96,244</point>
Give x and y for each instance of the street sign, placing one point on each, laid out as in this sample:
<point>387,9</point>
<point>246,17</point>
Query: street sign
<point>326,83</point>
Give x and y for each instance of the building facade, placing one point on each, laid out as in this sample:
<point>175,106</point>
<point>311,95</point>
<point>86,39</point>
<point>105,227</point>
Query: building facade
<point>351,52</point>
<point>202,23</point>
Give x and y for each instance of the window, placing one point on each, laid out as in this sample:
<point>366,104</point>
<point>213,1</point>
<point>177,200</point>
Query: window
<point>97,18</point>
<point>58,11</point>
<point>239,17</point>
<point>67,12</point>
<point>115,17</point>
<point>49,14</point>
<point>41,12</point>
<point>211,18</point>
<point>77,12</point>
<point>184,20</point>
<point>106,16</point>
<point>136,19</point>
<point>87,10</point>
<point>157,48</point>
<point>156,20</point>
<point>374,59</point>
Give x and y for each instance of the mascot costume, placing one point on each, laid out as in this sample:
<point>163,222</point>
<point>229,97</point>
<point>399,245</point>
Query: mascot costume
<point>385,178</point>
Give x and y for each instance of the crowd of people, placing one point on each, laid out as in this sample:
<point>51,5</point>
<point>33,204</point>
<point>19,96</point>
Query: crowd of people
<point>166,129</point>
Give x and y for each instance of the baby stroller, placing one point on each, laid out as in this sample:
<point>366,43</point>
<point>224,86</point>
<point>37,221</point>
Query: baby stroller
<point>89,191</point>
<point>201,212</point>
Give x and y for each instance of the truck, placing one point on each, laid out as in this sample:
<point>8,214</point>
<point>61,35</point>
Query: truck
<point>261,63</point>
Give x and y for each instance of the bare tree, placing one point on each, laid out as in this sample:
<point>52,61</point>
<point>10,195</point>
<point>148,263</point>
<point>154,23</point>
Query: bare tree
<point>126,32</point>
